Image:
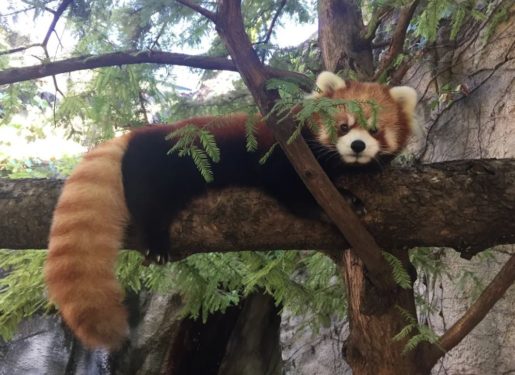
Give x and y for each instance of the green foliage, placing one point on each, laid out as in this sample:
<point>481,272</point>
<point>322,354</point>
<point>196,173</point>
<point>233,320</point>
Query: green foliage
<point>292,97</point>
<point>134,276</point>
<point>302,282</point>
<point>250,135</point>
<point>418,333</point>
<point>21,288</point>
<point>400,275</point>
<point>499,16</point>
<point>36,168</point>
<point>458,12</point>
<point>303,59</point>
<point>470,282</point>
<point>16,98</point>
<point>269,153</point>
<point>199,144</point>
<point>429,19</point>
<point>115,98</point>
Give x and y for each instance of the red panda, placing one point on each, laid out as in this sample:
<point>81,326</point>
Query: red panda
<point>133,178</point>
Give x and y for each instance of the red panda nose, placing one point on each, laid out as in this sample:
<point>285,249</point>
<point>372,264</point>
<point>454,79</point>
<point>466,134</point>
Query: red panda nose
<point>358,146</point>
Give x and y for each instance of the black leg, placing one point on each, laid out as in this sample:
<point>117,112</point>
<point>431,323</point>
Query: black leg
<point>157,240</point>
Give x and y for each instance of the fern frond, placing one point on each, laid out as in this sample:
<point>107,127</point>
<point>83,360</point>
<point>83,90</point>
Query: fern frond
<point>400,275</point>
<point>267,155</point>
<point>21,288</point>
<point>250,136</point>
<point>201,160</point>
<point>403,333</point>
<point>208,141</point>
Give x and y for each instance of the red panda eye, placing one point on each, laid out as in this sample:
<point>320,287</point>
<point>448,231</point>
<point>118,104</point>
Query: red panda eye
<point>373,131</point>
<point>344,128</point>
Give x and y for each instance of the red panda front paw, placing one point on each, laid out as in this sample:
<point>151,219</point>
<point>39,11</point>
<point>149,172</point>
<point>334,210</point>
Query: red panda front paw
<point>153,257</point>
<point>353,201</point>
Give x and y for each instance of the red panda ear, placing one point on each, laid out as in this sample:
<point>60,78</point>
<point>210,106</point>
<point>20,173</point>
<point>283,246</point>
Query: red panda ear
<point>328,83</point>
<point>406,97</point>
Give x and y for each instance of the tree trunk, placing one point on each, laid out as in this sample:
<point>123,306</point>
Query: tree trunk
<point>340,35</point>
<point>242,340</point>
<point>374,320</point>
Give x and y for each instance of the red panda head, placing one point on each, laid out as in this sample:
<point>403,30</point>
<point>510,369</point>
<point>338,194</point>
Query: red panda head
<point>361,143</point>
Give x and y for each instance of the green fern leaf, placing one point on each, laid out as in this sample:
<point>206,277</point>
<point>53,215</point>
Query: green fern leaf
<point>400,275</point>
<point>208,141</point>
<point>201,160</point>
<point>267,155</point>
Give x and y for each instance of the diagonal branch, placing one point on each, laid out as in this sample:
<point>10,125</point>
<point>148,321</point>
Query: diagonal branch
<point>57,14</point>
<point>231,29</point>
<point>475,314</point>
<point>399,36</point>
<point>197,8</point>
<point>273,22</point>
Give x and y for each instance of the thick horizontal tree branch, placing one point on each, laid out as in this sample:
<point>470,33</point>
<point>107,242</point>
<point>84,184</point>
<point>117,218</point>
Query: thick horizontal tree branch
<point>13,75</point>
<point>466,205</point>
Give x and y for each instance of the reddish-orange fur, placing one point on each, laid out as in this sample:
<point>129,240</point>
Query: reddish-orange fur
<point>92,211</point>
<point>86,233</point>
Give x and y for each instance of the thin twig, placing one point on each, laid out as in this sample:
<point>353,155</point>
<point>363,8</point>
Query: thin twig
<point>19,49</point>
<point>197,8</point>
<point>60,10</point>
<point>378,16</point>
<point>155,43</point>
<point>274,21</point>
<point>17,12</point>
<point>399,36</point>
<point>141,99</point>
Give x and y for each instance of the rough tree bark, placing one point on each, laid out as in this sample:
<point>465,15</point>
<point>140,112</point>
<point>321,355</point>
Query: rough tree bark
<point>341,36</point>
<point>369,348</point>
<point>416,206</point>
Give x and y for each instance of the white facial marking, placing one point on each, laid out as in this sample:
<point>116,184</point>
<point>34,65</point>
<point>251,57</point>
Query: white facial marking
<point>351,120</point>
<point>343,145</point>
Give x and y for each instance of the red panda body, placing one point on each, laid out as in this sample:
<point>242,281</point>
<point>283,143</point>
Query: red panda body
<point>133,178</point>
